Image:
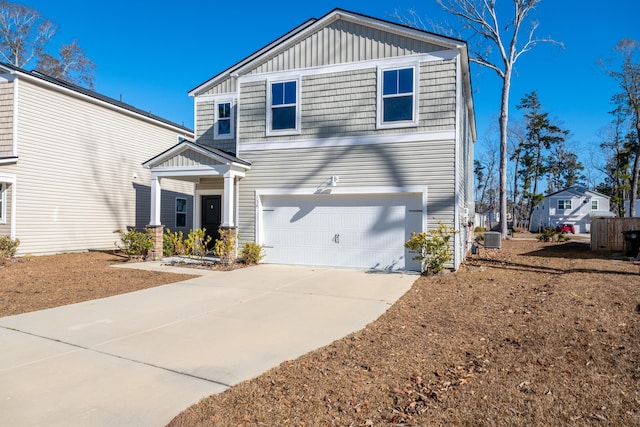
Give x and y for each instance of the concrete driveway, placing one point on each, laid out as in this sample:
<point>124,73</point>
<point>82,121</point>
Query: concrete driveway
<point>141,358</point>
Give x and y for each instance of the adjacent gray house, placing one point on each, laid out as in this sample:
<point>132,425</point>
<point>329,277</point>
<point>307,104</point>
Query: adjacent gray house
<point>70,165</point>
<point>574,205</point>
<point>332,144</point>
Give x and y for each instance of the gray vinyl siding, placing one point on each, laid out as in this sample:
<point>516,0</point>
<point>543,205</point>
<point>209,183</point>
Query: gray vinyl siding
<point>6,120</point>
<point>5,224</point>
<point>204,123</point>
<point>168,211</point>
<point>345,103</point>
<point>428,164</point>
<point>80,174</point>
<point>339,43</point>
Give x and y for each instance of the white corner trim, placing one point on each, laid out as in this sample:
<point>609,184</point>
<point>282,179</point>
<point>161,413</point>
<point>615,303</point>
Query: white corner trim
<point>15,117</point>
<point>349,141</point>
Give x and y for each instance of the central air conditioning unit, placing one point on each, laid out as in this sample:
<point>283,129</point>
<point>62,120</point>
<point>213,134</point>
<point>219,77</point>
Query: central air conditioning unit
<point>492,240</point>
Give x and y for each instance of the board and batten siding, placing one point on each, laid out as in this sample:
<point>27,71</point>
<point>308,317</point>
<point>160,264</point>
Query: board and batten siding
<point>6,119</point>
<point>340,42</point>
<point>344,104</point>
<point>428,164</point>
<point>80,174</point>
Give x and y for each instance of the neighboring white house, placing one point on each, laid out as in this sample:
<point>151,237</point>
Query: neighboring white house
<point>333,143</point>
<point>573,205</point>
<point>70,165</point>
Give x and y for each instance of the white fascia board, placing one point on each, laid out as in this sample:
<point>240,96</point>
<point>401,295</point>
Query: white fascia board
<point>197,171</point>
<point>401,61</point>
<point>349,141</point>
<point>307,28</point>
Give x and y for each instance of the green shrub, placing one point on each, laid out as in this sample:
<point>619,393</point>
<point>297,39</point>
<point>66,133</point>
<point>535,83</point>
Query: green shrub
<point>432,248</point>
<point>251,253</point>
<point>197,243</point>
<point>173,243</point>
<point>225,247</point>
<point>479,229</point>
<point>135,243</point>
<point>8,247</point>
<point>546,235</point>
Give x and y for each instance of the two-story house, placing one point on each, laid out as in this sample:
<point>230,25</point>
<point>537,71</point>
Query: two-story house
<point>70,165</point>
<point>574,205</point>
<point>333,143</point>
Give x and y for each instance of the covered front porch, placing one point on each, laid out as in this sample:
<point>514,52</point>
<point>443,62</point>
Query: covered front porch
<point>215,175</point>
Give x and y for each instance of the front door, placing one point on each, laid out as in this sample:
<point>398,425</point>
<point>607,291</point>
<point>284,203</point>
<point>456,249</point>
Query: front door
<point>212,216</point>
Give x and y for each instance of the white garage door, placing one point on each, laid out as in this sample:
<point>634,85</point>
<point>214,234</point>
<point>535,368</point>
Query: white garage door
<point>363,231</point>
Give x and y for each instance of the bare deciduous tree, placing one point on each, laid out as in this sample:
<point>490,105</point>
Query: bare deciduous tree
<point>24,37</point>
<point>481,17</point>
<point>628,77</point>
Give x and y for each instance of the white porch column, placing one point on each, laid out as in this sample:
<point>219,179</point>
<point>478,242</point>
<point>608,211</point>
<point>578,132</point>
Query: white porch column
<point>228,201</point>
<point>156,191</point>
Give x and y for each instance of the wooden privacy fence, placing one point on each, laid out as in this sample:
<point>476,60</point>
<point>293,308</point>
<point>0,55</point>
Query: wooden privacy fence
<point>606,233</point>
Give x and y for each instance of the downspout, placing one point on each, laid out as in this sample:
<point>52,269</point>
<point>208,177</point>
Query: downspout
<point>457,255</point>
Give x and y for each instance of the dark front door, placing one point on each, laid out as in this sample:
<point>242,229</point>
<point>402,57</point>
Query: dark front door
<point>212,216</point>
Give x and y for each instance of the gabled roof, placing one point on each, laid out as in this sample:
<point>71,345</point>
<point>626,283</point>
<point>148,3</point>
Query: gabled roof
<point>38,76</point>
<point>212,153</point>
<point>577,190</point>
<point>313,25</point>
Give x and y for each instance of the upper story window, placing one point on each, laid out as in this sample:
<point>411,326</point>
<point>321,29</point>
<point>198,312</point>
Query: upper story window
<point>397,98</point>
<point>594,205</point>
<point>564,204</point>
<point>283,112</point>
<point>223,125</point>
<point>181,212</point>
<point>283,107</point>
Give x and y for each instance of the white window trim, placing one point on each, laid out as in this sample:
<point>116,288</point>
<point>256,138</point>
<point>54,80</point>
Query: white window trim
<point>596,204</point>
<point>186,206</point>
<point>3,203</point>
<point>380,124</point>
<point>296,131</point>
<point>231,133</point>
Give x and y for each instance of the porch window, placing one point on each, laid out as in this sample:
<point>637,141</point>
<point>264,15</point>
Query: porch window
<point>283,107</point>
<point>564,204</point>
<point>3,202</point>
<point>223,127</point>
<point>397,100</point>
<point>594,205</point>
<point>181,212</point>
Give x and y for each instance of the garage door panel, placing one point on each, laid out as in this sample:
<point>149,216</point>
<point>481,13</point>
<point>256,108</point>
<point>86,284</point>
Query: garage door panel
<point>365,231</point>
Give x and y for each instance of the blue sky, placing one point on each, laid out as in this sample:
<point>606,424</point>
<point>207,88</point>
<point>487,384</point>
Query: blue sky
<point>153,52</point>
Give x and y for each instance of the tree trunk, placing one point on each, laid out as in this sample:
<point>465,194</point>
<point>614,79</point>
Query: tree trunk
<point>504,121</point>
<point>515,190</point>
<point>634,174</point>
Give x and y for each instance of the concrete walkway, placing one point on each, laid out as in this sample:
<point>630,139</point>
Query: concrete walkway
<point>141,358</point>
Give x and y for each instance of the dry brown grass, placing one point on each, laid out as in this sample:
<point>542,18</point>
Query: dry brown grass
<point>535,334</point>
<point>35,283</point>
